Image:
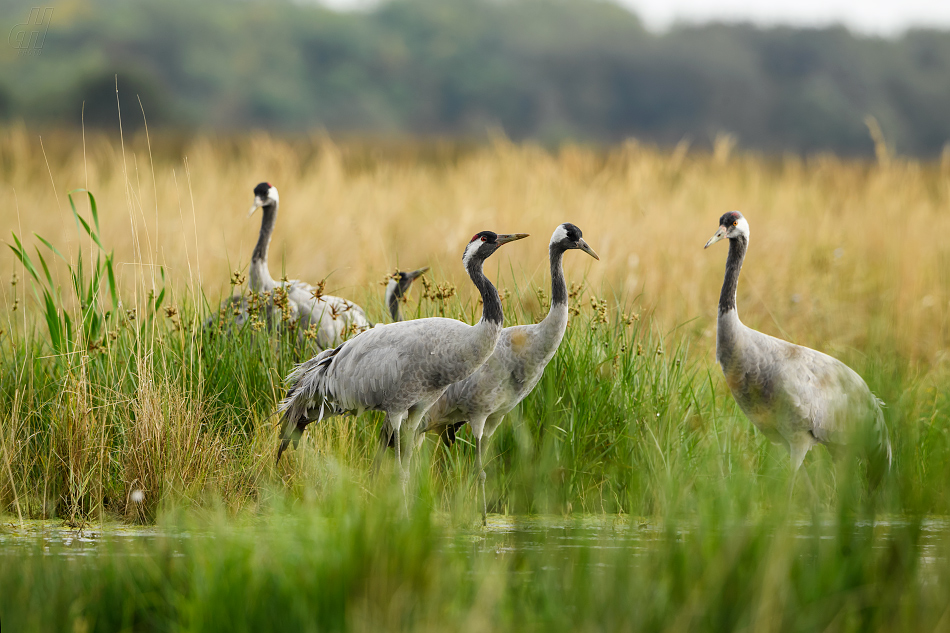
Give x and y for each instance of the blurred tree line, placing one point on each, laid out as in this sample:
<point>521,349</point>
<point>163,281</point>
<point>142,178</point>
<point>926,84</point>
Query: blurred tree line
<point>544,69</point>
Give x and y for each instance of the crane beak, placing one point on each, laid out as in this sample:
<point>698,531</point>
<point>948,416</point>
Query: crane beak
<point>581,244</point>
<point>721,233</point>
<point>416,273</point>
<point>504,239</point>
<point>258,203</point>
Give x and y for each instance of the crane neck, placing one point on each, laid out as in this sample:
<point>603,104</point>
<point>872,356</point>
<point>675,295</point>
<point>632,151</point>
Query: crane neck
<point>259,273</point>
<point>556,320</point>
<point>554,324</point>
<point>491,303</point>
<point>737,250</point>
<point>392,300</point>
<point>558,285</point>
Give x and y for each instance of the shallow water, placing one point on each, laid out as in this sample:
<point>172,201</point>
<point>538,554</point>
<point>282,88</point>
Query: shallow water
<point>503,535</point>
<point>57,538</point>
<point>508,533</point>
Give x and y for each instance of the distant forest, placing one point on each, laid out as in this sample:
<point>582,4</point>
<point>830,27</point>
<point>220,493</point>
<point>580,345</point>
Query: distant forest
<point>549,70</point>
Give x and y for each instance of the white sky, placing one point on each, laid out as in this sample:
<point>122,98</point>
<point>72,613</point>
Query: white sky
<point>879,17</point>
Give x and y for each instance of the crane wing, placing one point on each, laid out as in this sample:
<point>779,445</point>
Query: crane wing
<point>827,393</point>
<point>328,306</point>
<point>386,365</point>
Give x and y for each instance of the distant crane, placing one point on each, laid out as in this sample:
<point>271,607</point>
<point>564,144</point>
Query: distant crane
<point>399,368</point>
<point>796,396</point>
<point>397,288</point>
<point>516,366</point>
<point>335,318</point>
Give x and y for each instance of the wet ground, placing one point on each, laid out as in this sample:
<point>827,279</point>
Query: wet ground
<point>503,534</point>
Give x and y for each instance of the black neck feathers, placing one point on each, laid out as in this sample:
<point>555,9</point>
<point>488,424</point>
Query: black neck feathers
<point>392,299</point>
<point>737,249</point>
<point>269,212</point>
<point>558,286</point>
<point>491,303</point>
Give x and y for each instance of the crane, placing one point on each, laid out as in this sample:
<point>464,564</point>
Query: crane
<point>397,288</point>
<point>511,373</point>
<point>335,318</point>
<point>399,368</point>
<point>796,396</point>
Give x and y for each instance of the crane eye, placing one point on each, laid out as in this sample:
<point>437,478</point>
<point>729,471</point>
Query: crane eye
<point>735,223</point>
<point>484,238</point>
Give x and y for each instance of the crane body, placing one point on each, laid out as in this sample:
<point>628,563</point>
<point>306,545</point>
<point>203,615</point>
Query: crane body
<point>796,396</point>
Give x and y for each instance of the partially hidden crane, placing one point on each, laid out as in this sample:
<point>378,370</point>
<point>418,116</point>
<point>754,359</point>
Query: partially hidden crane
<point>334,318</point>
<point>396,289</point>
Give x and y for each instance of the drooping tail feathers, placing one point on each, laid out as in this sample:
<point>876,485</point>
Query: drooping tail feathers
<point>306,400</point>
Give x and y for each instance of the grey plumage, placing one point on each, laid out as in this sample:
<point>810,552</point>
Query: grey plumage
<point>234,311</point>
<point>515,367</point>
<point>334,318</point>
<point>399,368</point>
<point>396,289</point>
<point>796,396</point>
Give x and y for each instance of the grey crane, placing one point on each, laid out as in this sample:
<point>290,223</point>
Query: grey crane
<point>399,368</point>
<point>523,351</point>
<point>396,289</point>
<point>796,396</point>
<point>334,317</point>
<point>234,310</point>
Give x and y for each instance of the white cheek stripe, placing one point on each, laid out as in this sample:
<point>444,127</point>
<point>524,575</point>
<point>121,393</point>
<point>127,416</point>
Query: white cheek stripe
<point>469,251</point>
<point>743,226</point>
<point>559,234</point>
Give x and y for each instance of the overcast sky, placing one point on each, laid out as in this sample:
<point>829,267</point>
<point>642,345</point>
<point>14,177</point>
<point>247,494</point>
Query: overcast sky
<point>878,17</point>
<point>883,17</point>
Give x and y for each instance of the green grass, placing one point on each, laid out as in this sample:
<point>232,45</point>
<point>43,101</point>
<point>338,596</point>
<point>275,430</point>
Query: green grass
<point>631,425</point>
<point>345,563</point>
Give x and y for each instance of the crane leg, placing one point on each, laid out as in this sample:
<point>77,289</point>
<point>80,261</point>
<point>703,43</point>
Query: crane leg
<point>402,473</point>
<point>477,424</point>
<point>411,420</point>
<point>403,470</point>
<point>797,454</point>
<point>481,479</point>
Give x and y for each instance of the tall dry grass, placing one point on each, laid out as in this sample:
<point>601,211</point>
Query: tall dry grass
<point>152,413</point>
<point>843,254</point>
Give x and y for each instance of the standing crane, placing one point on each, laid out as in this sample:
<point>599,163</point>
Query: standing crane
<point>335,318</point>
<point>401,368</point>
<point>796,396</point>
<point>516,366</point>
<point>397,288</point>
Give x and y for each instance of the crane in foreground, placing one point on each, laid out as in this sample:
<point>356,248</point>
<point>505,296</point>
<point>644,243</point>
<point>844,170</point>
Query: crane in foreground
<point>399,368</point>
<point>513,370</point>
<point>397,288</point>
<point>335,318</point>
<point>796,396</point>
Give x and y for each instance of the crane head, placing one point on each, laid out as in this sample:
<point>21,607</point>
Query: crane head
<point>404,279</point>
<point>731,226</point>
<point>264,194</point>
<point>485,243</point>
<point>401,281</point>
<point>568,236</point>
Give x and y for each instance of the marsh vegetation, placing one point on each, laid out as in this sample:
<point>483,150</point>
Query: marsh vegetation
<point>118,407</point>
